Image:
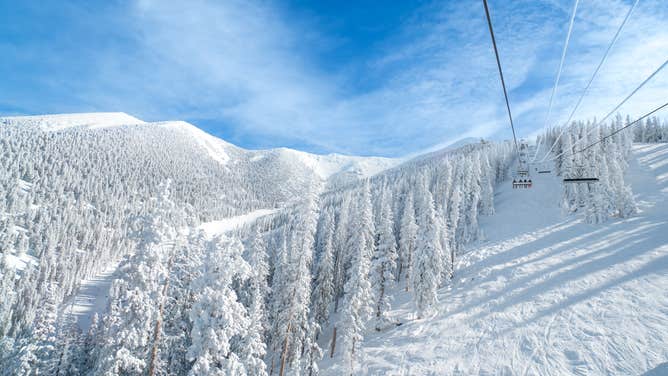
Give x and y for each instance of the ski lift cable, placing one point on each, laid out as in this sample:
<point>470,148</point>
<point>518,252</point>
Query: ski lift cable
<point>591,80</point>
<point>598,123</point>
<point>503,82</point>
<point>615,132</point>
<point>556,81</point>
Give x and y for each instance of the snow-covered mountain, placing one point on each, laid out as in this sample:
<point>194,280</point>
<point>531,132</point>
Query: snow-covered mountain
<point>131,247</point>
<point>265,178</point>
<point>322,166</point>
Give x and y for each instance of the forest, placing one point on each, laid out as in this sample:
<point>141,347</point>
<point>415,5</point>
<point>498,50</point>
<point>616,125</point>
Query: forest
<point>274,296</point>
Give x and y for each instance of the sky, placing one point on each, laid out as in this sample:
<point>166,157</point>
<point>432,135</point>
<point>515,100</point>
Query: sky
<point>386,78</point>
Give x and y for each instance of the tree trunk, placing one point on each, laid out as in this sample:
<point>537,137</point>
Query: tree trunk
<point>158,322</point>
<point>331,351</point>
<point>380,302</point>
<point>408,269</point>
<point>284,353</point>
<point>452,262</point>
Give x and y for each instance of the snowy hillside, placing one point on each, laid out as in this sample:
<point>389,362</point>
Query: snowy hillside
<point>155,248</point>
<point>322,166</point>
<point>64,121</point>
<point>547,295</point>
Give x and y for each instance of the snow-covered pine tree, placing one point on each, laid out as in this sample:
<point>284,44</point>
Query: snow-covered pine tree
<point>487,180</point>
<point>427,261</point>
<point>323,290</point>
<point>219,319</point>
<point>136,295</point>
<point>383,264</point>
<point>254,346</point>
<point>187,267</point>
<point>407,237</point>
<point>292,332</point>
<point>452,222</point>
<point>357,300</point>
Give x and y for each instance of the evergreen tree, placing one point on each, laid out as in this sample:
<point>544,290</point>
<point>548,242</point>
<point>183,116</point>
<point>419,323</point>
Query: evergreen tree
<point>254,347</point>
<point>323,292</point>
<point>357,299</point>
<point>407,237</point>
<point>219,320</point>
<point>427,260</point>
<point>383,264</point>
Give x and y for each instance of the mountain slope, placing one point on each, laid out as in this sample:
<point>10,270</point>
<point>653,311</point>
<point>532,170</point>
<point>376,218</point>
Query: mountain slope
<point>547,294</point>
<point>107,218</point>
<point>63,121</point>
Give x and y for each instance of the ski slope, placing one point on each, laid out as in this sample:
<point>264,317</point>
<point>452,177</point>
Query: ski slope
<point>546,294</point>
<point>214,228</point>
<point>92,298</point>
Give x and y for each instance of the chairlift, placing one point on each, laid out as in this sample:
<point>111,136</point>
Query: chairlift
<point>579,176</point>
<point>580,180</point>
<point>522,183</point>
<point>522,178</point>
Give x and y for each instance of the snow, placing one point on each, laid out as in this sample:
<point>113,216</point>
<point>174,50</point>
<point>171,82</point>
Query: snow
<point>222,226</point>
<point>20,262</point>
<point>545,294</point>
<point>59,122</point>
<point>214,146</point>
<point>325,166</point>
<point>92,297</point>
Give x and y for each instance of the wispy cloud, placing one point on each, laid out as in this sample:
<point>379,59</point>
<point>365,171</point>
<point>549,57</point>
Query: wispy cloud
<point>252,72</point>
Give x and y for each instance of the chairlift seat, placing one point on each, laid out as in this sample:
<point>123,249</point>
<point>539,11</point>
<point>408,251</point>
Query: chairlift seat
<point>580,180</point>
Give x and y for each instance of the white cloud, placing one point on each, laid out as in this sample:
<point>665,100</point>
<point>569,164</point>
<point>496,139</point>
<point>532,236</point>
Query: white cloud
<point>245,63</point>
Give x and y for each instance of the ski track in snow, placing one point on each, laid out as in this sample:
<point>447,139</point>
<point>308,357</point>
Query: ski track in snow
<point>93,294</point>
<point>222,226</point>
<point>546,294</point>
<point>92,298</point>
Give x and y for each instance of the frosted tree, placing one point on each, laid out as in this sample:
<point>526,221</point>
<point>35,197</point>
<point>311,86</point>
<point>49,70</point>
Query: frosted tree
<point>187,267</point>
<point>384,263</point>
<point>341,256</point>
<point>136,296</point>
<point>568,203</point>
<point>595,210</point>
<point>452,222</point>
<point>357,299</point>
<point>254,347</point>
<point>427,261</point>
<point>7,286</point>
<point>471,194</point>
<point>487,179</point>
<point>292,330</point>
<point>620,198</point>
<point>323,291</point>
<point>219,319</point>
<point>407,237</point>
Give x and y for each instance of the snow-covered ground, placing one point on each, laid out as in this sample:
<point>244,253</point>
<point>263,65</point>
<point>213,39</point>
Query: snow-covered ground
<point>91,298</point>
<point>63,121</point>
<point>328,165</point>
<point>214,147</point>
<point>546,294</point>
<point>222,226</point>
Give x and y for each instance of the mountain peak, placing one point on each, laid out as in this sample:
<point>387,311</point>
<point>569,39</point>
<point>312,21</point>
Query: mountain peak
<point>56,122</point>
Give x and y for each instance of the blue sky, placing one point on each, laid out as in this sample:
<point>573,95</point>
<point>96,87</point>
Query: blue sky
<point>384,78</point>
